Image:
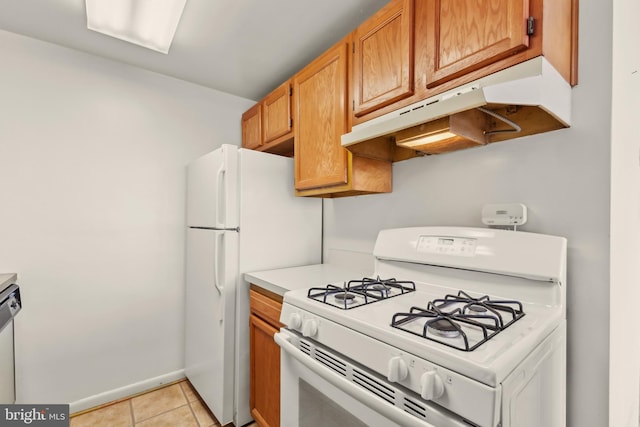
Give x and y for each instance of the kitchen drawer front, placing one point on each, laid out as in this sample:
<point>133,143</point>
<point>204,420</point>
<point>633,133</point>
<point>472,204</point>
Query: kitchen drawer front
<point>265,307</point>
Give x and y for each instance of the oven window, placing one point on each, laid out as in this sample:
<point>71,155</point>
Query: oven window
<point>317,410</point>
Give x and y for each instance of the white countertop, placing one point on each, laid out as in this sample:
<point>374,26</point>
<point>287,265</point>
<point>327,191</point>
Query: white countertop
<point>6,279</point>
<point>286,279</point>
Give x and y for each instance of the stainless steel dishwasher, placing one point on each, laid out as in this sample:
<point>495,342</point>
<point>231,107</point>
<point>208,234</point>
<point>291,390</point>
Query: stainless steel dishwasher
<point>10,305</point>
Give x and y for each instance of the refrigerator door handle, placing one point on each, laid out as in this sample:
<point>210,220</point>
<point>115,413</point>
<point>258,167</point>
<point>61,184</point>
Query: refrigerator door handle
<point>220,195</point>
<point>216,274</point>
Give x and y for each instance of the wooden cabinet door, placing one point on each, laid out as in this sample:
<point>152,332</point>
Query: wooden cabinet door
<point>383,58</point>
<point>319,93</point>
<point>265,373</point>
<point>252,127</point>
<point>276,113</point>
<point>467,35</point>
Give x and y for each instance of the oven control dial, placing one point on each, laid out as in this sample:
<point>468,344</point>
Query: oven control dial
<point>431,386</point>
<point>397,369</point>
<point>295,321</point>
<point>309,327</point>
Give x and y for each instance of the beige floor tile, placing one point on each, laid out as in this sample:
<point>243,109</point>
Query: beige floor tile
<point>116,415</point>
<point>189,391</point>
<point>203,415</point>
<point>156,402</point>
<point>180,417</point>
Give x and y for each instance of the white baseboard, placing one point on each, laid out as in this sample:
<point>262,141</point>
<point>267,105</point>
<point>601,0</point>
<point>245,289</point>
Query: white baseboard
<point>122,392</point>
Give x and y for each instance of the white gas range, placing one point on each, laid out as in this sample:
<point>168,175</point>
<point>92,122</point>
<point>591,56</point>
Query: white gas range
<point>456,327</point>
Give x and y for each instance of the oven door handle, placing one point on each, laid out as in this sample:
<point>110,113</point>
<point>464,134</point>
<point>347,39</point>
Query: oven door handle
<point>370,400</point>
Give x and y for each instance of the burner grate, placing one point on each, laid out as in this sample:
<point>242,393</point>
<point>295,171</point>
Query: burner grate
<point>356,293</point>
<point>495,308</point>
<point>451,320</point>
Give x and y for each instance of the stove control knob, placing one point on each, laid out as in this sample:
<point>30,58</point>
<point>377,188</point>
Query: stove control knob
<point>295,321</point>
<point>431,386</point>
<point>397,369</point>
<point>309,328</point>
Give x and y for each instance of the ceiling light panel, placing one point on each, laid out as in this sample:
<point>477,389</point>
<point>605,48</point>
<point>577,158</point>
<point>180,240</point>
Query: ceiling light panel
<point>148,23</point>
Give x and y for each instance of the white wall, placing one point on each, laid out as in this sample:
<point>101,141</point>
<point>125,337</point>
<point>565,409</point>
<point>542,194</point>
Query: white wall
<point>564,179</point>
<point>624,364</point>
<point>92,188</point>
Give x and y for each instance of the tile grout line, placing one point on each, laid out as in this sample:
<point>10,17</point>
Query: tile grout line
<point>162,413</point>
<point>190,407</point>
<point>133,419</point>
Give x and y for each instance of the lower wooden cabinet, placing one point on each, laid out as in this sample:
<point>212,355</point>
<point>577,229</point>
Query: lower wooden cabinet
<point>265,357</point>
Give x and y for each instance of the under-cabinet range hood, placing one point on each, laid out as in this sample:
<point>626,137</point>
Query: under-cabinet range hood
<point>528,98</point>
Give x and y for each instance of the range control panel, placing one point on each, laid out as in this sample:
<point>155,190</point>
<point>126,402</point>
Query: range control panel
<point>445,245</point>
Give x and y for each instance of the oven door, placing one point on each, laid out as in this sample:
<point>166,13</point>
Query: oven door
<point>316,394</point>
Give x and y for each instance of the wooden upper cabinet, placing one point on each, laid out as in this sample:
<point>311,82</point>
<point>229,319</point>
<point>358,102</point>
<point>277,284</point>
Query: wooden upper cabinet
<point>320,91</point>
<point>383,58</point>
<point>267,126</point>
<point>252,127</point>
<point>276,113</point>
<point>467,35</point>
<point>322,167</point>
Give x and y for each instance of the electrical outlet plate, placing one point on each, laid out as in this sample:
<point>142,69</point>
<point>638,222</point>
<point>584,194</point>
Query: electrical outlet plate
<point>504,214</point>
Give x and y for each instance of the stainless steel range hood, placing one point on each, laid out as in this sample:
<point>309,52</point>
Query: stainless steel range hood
<point>533,87</point>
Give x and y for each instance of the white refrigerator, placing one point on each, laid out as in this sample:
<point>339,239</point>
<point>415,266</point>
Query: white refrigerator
<point>242,216</point>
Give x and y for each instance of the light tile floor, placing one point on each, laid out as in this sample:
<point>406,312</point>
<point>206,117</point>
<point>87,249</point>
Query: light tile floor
<point>176,405</point>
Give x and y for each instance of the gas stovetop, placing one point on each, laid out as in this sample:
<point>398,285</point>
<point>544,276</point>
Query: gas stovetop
<point>459,321</point>
<point>484,347</point>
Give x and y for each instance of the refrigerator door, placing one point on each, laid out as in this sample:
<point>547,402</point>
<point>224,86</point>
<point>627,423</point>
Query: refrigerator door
<point>212,188</point>
<point>211,271</point>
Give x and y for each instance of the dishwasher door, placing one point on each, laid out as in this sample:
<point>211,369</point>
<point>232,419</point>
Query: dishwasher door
<point>10,304</point>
